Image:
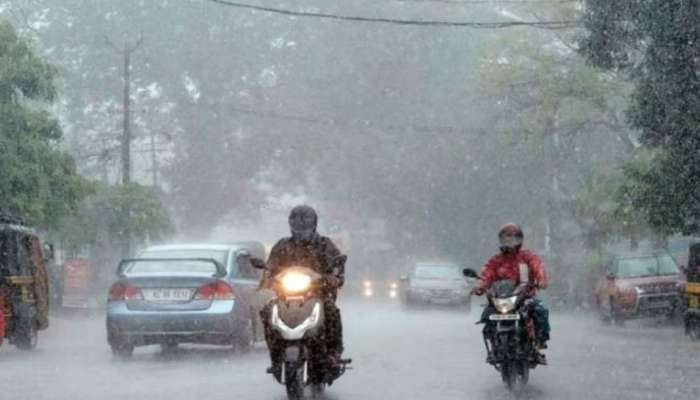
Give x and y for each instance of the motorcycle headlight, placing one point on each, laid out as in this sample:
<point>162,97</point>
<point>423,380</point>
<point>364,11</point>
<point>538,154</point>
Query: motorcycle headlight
<point>506,305</point>
<point>393,286</point>
<point>295,282</point>
<point>367,284</point>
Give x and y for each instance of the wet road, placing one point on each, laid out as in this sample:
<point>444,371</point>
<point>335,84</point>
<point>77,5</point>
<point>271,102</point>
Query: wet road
<point>421,354</point>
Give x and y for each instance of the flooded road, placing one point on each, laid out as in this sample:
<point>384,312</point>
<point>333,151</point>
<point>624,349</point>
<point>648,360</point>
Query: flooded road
<point>398,354</point>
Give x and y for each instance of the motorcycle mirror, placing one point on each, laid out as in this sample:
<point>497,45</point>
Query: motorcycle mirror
<point>257,263</point>
<point>470,273</point>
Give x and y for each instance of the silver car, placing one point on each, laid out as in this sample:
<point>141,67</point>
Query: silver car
<point>197,293</point>
<point>436,283</point>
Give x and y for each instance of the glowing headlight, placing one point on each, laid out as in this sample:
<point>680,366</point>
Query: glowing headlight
<point>368,292</point>
<point>393,286</point>
<point>393,294</point>
<point>295,282</point>
<point>504,306</point>
<point>367,284</point>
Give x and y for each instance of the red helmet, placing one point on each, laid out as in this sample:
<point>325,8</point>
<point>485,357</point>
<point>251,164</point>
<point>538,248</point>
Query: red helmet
<point>510,237</point>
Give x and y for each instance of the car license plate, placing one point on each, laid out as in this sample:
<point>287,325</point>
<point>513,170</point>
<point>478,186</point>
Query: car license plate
<point>659,304</point>
<point>504,317</point>
<point>167,294</point>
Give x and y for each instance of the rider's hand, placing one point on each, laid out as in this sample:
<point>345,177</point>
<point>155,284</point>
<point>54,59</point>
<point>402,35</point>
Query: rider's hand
<point>478,291</point>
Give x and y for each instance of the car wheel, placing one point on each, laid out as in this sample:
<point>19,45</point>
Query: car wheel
<point>169,346</point>
<point>122,349</point>
<point>245,338</point>
<point>615,313</point>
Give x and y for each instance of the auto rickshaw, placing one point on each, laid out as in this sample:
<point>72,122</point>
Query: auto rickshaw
<point>23,284</point>
<point>692,293</point>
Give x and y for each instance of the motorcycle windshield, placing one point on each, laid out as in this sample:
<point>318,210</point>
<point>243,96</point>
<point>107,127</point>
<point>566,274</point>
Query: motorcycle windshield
<point>503,288</point>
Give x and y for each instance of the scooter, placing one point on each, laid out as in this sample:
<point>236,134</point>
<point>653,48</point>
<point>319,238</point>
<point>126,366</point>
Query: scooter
<point>296,319</point>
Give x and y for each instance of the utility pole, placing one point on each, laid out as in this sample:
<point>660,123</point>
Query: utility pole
<point>125,51</point>
<point>154,160</point>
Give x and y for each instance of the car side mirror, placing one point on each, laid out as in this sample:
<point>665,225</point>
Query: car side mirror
<point>403,278</point>
<point>257,263</point>
<point>470,273</point>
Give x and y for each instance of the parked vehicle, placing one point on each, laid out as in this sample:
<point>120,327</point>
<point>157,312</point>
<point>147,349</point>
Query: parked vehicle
<point>190,293</point>
<point>512,344</point>
<point>296,315</point>
<point>23,284</point>
<point>639,286</point>
<point>436,283</point>
<point>691,293</point>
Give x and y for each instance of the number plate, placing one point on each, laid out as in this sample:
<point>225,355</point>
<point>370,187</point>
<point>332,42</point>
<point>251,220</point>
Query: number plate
<point>504,317</point>
<point>167,294</point>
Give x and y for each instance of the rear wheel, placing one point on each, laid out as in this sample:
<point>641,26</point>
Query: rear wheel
<point>26,336</point>
<point>694,329</point>
<point>294,381</point>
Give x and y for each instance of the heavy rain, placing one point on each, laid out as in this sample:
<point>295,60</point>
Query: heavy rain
<point>349,199</point>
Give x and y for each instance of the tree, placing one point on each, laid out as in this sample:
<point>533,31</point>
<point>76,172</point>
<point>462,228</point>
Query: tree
<point>658,43</point>
<point>38,181</point>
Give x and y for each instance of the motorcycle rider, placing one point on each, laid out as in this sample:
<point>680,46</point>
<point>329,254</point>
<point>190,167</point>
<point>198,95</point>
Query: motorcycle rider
<point>306,247</point>
<point>521,266</point>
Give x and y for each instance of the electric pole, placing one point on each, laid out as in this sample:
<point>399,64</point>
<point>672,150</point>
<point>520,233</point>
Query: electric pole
<point>125,51</point>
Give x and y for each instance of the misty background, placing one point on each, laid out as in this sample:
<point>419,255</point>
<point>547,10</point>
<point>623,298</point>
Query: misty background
<point>411,141</point>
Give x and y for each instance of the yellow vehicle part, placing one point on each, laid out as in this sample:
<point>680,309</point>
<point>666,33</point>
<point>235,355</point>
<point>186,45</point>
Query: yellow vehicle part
<point>692,288</point>
<point>694,302</point>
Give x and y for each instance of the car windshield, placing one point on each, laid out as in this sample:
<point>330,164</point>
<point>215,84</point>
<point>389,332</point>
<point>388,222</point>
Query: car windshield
<point>160,266</point>
<point>437,272</point>
<point>646,266</point>
<point>218,255</point>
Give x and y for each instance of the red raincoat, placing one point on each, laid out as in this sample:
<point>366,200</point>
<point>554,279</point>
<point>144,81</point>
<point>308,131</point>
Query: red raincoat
<point>514,266</point>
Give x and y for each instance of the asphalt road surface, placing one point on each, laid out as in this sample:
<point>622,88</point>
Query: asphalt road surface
<point>398,354</point>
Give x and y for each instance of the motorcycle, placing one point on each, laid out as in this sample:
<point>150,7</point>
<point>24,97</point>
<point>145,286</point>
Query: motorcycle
<point>512,346</point>
<point>295,317</point>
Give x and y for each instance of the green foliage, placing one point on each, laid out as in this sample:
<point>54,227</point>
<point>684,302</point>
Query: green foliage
<point>658,42</point>
<point>111,211</point>
<point>38,181</point>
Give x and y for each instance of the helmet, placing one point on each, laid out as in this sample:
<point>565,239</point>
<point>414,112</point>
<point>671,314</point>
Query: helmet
<point>510,238</point>
<point>302,223</point>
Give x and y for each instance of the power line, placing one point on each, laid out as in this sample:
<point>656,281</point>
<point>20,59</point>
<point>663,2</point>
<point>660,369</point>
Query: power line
<point>357,124</point>
<point>468,2</point>
<point>563,24</point>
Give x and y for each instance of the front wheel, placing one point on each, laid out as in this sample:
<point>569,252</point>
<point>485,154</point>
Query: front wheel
<point>515,375</point>
<point>294,381</point>
<point>317,390</point>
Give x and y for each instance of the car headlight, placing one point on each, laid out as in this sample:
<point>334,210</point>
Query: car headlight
<point>506,305</point>
<point>368,292</point>
<point>295,282</point>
